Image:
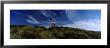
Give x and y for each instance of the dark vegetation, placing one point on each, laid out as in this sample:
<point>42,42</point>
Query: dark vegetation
<point>40,32</point>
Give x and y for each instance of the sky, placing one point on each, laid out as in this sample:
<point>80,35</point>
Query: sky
<point>83,19</point>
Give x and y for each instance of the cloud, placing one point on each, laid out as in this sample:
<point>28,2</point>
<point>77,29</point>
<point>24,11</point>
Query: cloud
<point>94,25</point>
<point>48,14</point>
<point>32,20</point>
<point>45,13</point>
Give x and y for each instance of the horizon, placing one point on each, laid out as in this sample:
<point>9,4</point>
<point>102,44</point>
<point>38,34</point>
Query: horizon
<point>56,26</point>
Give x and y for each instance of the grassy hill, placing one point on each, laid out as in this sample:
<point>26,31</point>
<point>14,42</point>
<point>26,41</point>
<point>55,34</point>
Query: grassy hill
<point>40,32</point>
